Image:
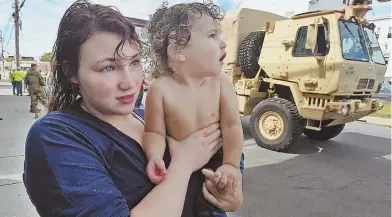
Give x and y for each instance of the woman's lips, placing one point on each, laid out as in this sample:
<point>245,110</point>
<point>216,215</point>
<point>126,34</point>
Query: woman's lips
<point>128,99</point>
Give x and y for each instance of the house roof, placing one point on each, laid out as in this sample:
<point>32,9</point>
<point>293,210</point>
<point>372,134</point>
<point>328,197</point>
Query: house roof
<point>138,22</point>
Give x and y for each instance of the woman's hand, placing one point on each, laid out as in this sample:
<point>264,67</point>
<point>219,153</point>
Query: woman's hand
<point>197,149</point>
<point>224,200</point>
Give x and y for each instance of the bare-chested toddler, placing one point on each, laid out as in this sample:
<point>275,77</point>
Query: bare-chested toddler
<point>189,90</point>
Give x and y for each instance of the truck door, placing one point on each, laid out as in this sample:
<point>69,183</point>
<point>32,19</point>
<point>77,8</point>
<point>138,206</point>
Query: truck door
<point>310,61</point>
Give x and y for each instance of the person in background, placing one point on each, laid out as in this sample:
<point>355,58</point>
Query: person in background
<point>36,85</point>
<point>24,85</point>
<point>12,82</point>
<point>17,77</point>
<point>140,95</point>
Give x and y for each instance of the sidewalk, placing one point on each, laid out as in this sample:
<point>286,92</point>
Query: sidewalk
<point>15,121</point>
<point>377,121</point>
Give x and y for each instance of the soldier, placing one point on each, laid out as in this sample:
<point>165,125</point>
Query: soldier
<point>36,84</point>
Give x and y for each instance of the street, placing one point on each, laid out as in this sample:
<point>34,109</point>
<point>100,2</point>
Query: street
<point>345,177</point>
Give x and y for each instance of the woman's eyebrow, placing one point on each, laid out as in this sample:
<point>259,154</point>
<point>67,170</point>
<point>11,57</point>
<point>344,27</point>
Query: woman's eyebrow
<point>135,55</point>
<point>110,59</point>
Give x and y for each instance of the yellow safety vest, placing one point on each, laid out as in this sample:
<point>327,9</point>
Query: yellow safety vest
<point>17,76</point>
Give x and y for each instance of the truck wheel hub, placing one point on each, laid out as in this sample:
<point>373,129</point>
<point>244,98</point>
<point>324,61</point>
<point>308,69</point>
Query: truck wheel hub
<point>271,125</point>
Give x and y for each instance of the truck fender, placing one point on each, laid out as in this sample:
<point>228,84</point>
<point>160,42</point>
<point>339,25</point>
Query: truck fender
<point>299,99</point>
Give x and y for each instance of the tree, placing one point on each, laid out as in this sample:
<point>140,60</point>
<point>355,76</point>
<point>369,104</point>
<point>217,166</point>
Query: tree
<point>9,59</point>
<point>46,57</point>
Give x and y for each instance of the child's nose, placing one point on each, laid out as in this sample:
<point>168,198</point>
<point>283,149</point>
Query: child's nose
<point>223,44</point>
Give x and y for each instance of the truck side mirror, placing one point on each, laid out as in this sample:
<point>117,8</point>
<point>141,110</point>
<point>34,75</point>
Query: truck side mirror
<point>311,37</point>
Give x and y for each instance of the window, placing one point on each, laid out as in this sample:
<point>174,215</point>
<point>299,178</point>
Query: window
<point>322,47</point>
<point>374,47</point>
<point>390,32</point>
<point>353,45</point>
<point>344,1</point>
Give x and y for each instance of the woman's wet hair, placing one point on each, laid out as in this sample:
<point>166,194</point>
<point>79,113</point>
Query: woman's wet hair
<point>81,20</point>
<point>172,25</point>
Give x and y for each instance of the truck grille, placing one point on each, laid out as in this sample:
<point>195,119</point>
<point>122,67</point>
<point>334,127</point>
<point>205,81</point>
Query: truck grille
<point>316,102</point>
<point>371,84</point>
<point>362,84</point>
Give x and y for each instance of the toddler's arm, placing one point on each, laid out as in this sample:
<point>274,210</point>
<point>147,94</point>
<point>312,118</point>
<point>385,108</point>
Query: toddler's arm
<point>155,131</point>
<point>232,134</point>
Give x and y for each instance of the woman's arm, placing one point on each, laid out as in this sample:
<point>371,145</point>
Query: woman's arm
<point>65,175</point>
<point>157,202</point>
<point>187,157</point>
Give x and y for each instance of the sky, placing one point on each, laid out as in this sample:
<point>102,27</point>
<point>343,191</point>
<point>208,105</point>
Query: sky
<point>40,18</point>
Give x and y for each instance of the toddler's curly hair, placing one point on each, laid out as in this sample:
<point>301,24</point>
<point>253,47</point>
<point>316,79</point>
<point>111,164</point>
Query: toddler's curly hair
<point>173,24</point>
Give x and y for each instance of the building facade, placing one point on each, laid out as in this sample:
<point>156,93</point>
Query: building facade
<point>140,26</point>
<point>318,5</point>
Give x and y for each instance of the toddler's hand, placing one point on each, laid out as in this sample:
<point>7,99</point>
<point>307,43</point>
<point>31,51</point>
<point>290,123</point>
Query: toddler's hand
<point>227,178</point>
<point>156,169</point>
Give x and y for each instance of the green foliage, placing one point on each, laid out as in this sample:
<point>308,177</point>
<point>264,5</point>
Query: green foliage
<point>46,57</point>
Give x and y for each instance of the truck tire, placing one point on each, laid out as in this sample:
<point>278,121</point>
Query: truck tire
<point>249,53</point>
<point>275,124</point>
<point>326,133</point>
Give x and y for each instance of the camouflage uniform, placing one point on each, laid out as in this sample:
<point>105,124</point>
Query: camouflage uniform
<point>36,85</point>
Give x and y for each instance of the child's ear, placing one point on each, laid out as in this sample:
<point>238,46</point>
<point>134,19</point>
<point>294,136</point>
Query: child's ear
<point>171,52</point>
<point>75,80</point>
<point>175,53</point>
<point>181,56</point>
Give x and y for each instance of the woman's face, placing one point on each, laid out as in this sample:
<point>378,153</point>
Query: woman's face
<point>109,84</point>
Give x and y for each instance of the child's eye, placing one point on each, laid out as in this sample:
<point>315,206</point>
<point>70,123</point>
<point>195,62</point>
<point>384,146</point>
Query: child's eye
<point>108,68</point>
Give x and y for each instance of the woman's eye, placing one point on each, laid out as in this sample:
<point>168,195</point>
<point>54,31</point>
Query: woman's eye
<point>135,62</point>
<point>212,35</point>
<point>108,68</point>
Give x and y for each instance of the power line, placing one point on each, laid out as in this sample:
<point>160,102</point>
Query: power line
<point>54,2</point>
<point>8,24</point>
<point>9,38</point>
<point>21,5</point>
<point>239,4</point>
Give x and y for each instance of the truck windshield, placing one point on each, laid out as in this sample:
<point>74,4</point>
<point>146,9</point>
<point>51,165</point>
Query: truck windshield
<point>374,47</point>
<point>353,47</point>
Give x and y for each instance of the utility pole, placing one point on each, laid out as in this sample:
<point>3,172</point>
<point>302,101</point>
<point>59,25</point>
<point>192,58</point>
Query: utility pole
<point>17,22</point>
<point>2,52</point>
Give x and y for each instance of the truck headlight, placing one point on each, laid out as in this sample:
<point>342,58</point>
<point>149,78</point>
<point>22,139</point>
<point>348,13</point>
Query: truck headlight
<point>380,105</point>
<point>344,110</point>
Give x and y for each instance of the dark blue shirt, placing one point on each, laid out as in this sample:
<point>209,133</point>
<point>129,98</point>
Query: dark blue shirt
<point>79,165</point>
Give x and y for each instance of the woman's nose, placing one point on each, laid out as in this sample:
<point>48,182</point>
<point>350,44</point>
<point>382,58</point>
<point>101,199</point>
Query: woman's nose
<point>127,80</point>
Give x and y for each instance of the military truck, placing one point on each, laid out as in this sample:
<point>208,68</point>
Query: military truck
<point>309,74</point>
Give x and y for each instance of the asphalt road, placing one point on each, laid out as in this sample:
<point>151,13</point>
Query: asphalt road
<point>345,177</point>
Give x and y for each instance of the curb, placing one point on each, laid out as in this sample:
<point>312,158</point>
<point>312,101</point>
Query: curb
<point>376,121</point>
